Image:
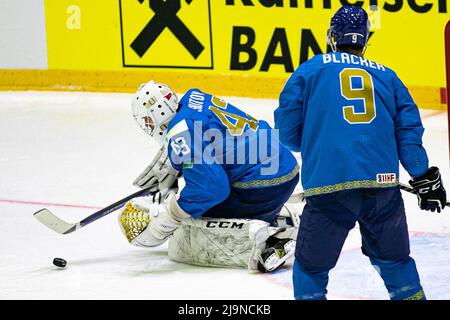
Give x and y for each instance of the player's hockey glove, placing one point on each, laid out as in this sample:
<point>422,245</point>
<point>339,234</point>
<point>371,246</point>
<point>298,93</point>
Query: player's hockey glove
<point>429,190</point>
<point>159,173</point>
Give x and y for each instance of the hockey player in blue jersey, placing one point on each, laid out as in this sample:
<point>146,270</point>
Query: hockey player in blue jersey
<point>237,179</point>
<point>353,120</point>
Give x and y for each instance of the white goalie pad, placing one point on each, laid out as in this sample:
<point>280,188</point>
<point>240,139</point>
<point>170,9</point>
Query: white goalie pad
<point>232,243</point>
<point>289,219</point>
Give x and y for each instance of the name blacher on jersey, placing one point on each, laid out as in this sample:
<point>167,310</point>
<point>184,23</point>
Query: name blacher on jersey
<point>351,59</point>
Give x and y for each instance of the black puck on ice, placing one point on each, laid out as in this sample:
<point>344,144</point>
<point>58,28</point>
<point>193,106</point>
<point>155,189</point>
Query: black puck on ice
<point>59,262</point>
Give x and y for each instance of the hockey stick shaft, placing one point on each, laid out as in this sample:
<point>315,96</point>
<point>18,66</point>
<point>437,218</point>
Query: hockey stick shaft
<point>50,220</point>
<point>116,205</point>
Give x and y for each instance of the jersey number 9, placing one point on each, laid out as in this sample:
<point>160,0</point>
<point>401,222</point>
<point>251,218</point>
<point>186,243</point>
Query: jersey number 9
<point>365,92</point>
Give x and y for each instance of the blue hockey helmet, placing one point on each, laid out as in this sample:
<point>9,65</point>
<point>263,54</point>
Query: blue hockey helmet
<point>350,26</point>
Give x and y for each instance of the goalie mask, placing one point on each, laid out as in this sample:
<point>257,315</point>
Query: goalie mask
<point>154,106</point>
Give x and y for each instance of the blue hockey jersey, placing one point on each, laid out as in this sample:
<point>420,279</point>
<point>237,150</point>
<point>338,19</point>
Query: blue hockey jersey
<point>217,147</point>
<point>352,119</point>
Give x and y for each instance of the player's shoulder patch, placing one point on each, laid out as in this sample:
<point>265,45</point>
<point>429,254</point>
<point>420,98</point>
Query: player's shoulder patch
<point>178,139</point>
<point>176,129</point>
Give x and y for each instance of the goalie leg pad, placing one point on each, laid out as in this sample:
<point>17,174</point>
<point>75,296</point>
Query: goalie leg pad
<point>232,243</point>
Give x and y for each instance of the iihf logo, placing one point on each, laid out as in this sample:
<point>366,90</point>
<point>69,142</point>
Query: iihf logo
<point>385,178</point>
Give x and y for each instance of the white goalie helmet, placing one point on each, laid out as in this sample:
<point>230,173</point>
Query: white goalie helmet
<point>154,105</point>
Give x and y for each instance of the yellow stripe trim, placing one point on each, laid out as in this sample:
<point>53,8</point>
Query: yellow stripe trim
<point>347,186</point>
<point>267,183</point>
<point>222,84</point>
<point>418,296</point>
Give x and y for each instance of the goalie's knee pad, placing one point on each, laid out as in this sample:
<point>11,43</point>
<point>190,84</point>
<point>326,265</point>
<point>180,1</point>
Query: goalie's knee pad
<point>289,220</point>
<point>235,243</point>
<point>291,213</point>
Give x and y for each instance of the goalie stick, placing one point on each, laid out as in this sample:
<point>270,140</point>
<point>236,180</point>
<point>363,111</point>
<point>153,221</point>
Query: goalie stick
<point>47,218</point>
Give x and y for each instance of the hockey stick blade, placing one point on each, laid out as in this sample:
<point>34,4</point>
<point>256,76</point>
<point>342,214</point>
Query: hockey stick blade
<point>47,218</point>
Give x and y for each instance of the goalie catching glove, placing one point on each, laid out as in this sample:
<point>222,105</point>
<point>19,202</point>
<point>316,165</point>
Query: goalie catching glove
<point>159,172</point>
<point>150,224</point>
<point>430,191</point>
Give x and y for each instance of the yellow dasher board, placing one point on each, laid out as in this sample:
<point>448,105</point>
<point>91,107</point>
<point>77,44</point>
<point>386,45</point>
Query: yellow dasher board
<point>258,38</point>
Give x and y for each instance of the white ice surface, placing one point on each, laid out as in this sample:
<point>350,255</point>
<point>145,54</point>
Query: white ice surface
<point>84,149</point>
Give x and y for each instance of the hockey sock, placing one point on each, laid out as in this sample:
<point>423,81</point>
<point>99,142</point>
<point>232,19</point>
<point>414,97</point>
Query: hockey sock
<point>309,285</point>
<point>400,278</point>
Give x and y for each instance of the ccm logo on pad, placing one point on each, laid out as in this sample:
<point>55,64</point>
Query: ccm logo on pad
<point>224,224</point>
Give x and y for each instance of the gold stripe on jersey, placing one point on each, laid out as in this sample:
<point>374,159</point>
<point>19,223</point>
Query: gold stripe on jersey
<point>360,184</point>
<point>268,182</point>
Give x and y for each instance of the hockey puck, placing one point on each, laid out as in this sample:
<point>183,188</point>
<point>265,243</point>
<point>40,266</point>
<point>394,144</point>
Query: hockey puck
<point>59,262</point>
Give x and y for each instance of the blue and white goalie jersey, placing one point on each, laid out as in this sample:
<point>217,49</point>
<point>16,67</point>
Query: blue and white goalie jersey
<point>218,147</point>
